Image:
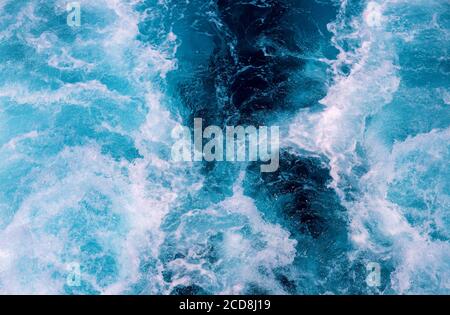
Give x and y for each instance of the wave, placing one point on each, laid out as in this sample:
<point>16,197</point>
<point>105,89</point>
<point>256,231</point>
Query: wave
<point>376,117</point>
<point>359,89</point>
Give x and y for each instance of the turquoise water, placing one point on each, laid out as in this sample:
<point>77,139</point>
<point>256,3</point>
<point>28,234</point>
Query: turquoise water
<point>360,90</point>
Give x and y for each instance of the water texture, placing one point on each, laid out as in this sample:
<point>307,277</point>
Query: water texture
<point>88,189</point>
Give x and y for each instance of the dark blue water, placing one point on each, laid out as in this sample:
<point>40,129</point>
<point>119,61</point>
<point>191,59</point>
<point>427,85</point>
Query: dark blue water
<point>359,90</point>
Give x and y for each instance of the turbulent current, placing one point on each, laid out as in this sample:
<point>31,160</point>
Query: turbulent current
<point>92,203</point>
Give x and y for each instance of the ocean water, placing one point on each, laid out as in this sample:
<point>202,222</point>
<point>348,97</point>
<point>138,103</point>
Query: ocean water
<point>92,203</point>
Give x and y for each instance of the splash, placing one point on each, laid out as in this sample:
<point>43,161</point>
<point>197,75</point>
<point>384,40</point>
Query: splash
<point>92,203</point>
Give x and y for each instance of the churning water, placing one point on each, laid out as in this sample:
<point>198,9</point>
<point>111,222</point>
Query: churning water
<point>359,88</point>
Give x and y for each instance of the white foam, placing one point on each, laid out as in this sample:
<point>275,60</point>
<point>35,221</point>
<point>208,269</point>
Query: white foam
<point>373,14</point>
<point>241,260</point>
<point>28,250</point>
<point>380,224</point>
<point>351,99</point>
